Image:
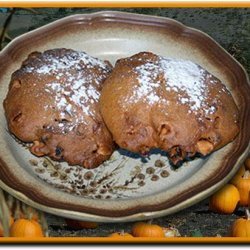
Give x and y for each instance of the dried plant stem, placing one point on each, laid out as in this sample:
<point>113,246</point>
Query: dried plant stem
<point>17,213</point>
<point>246,174</point>
<point>24,210</point>
<point>5,26</point>
<point>4,214</point>
<point>150,221</point>
<point>44,224</point>
<point>247,213</point>
<point>10,201</point>
<point>33,11</point>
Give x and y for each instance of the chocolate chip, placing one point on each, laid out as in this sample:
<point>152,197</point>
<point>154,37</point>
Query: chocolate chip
<point>17,117</point>
<point>58,151</point>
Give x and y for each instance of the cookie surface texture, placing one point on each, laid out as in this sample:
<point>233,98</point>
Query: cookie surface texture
<point>151,101</point>
<point>53,102</point>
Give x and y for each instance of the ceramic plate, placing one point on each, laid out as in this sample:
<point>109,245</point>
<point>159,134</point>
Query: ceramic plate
<point>126,187</point>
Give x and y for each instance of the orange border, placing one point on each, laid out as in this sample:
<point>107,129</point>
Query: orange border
<point>114,4</point>
<point>101,240</point>
<point>139,240</point>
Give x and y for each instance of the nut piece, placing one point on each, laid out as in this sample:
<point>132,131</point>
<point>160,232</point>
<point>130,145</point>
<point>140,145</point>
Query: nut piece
<point>39,149</point>
<point>204,147</point>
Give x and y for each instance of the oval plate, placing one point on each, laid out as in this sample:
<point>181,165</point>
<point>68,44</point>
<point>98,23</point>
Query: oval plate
<point>127,187</point>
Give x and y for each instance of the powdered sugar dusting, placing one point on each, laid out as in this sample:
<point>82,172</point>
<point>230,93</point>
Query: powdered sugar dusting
<point>51,63</point>
<point>75,79</point>
<point>148,82</point>
<point>186,76</point>
<point>181,76</point>
<point>73,93</point>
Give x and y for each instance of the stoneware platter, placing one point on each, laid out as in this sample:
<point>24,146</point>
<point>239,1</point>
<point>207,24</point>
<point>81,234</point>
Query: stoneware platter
<point>127,187</point>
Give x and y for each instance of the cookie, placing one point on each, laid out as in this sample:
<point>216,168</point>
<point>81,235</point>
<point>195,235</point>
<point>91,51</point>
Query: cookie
<point>150,101</point>
<point>53,102</point>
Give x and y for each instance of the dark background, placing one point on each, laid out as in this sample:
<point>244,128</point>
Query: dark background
<point>230,27</point>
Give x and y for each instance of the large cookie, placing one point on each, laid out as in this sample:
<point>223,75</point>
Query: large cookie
<point>53,101</point>
<point>150,101</point>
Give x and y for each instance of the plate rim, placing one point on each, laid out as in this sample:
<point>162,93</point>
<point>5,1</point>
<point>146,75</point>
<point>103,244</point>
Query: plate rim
<point>104,16</point>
